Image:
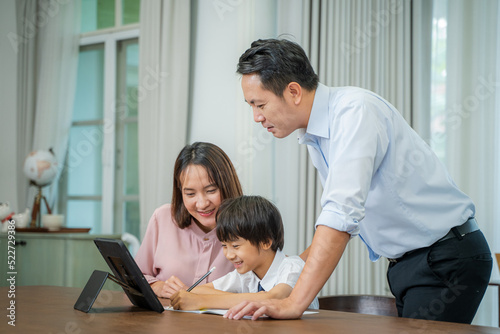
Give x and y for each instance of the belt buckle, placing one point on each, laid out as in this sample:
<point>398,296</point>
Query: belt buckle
<point>392,260</point>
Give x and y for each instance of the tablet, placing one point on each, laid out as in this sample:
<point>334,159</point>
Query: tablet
<point>127,274</point>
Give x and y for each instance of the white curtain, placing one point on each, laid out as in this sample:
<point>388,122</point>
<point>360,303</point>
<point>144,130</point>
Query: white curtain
<point>365,44</point>
<point>26,96</point>
<point>164,57</point>
<point>47,43</point>
<point>473,118</point>
<point>421,51</point>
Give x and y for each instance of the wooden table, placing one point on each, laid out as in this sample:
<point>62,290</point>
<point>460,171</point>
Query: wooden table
<point>49,309</point>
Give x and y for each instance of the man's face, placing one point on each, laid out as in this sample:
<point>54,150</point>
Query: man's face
<point>279,115</point>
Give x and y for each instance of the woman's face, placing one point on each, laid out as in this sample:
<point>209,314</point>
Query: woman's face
<point>201,197</point>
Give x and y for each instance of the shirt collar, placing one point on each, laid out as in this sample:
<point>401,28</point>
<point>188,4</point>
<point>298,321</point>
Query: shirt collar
<point>200,234</point>
<point>269,279</point>
<point>318,120</point>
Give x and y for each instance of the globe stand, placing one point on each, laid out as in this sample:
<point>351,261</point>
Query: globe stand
<point>36,208</point>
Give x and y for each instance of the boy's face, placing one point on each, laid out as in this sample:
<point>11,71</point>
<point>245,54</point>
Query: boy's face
<point>277,114</point>
<point>245,256</point>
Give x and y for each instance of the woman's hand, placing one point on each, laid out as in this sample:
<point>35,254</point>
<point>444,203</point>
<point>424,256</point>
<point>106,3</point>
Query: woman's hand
<point>165,289</point>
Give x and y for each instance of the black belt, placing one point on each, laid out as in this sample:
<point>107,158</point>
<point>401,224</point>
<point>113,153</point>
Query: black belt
<point>459,231</point>
<point>456,232</point>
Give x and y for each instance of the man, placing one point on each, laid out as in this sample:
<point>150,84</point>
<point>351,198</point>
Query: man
<point>381,181</point>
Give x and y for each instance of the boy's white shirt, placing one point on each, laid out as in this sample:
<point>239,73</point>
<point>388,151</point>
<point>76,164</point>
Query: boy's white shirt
<point>284,269</point>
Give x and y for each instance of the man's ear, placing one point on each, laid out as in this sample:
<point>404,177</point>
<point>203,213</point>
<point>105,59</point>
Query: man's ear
<point>294,91</point>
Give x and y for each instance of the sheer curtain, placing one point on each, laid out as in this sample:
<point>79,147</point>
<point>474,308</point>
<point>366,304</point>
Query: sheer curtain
<point>421,51</point>
<point>472,118</point>
<point>26,97</point>
<point>364,44</point>
<point>164,57</point>
<point>48,61</point>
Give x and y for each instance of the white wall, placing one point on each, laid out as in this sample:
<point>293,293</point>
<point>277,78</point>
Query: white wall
<point>8,92</point>
<point>217,101</point>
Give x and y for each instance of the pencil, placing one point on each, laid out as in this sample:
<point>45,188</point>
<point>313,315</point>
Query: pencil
<point>201,279</point>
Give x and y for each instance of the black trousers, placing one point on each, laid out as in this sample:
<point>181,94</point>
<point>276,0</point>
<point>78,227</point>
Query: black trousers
<point>445,281</point>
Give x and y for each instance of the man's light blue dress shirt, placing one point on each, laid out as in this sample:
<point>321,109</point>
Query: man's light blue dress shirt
<point>380,179</point>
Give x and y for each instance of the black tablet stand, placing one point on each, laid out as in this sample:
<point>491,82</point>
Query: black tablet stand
<point>94,286</point>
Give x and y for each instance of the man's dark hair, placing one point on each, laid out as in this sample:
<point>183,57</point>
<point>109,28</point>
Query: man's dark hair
<point>253,218</point>
<point>278,62</point>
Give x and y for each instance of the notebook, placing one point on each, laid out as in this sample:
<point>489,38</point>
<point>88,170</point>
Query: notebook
<point>221,312</point>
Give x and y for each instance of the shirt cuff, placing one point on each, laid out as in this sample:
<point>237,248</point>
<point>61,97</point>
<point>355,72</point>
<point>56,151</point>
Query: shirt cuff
<point>150,279</point>
<point>338,222</point>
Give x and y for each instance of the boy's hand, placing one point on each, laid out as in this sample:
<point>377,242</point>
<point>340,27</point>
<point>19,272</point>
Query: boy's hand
<point>183,300</point>
<point>166,289</point>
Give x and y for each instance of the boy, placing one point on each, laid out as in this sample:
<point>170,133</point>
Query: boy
<point>251,232</point>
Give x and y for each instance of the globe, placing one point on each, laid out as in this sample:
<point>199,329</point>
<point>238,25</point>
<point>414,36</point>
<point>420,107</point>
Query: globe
<point>41,167</point>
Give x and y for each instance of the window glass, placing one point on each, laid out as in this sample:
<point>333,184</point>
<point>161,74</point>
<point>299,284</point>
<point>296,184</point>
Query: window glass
<point>132,75</point>
<point>131,158</point>
<point>130,11</point>
<point>85,161</point>
<point>84,214</point>
<point>131,217</point>
<point>90,82</point>
<point>97,14</point>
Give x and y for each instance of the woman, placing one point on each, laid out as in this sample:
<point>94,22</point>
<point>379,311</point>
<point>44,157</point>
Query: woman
<point>180,244</point>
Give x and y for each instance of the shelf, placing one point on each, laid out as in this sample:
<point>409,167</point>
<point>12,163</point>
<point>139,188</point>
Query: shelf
<point>46,230</point>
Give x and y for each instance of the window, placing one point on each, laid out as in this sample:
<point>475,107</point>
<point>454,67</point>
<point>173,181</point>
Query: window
<point>100,187</point>
<point>103,14</point>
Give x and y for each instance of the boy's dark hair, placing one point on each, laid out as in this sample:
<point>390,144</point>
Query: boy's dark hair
<point>278,62</point>
<point>253,218</point>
